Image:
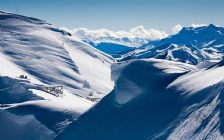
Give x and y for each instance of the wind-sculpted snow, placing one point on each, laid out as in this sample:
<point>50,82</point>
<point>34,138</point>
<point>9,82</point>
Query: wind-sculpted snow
<point>53,56</point>
<point>46,56</point>
<point>151,98</point>
<point>143,105</point>
<point>28,113</point>
<point>202,78</point>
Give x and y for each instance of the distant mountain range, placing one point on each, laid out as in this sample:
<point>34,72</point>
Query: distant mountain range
<point>190,45</point>
<point>102,99</point>
<point>120,42</point>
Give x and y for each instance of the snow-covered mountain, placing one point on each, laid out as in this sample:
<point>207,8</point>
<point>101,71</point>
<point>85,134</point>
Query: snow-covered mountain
<point>151,98</point>
<point>156,99</point>
<point>53,56</point>
<point>190,45</point>
<point>117,43</point>
<point>48,57</point>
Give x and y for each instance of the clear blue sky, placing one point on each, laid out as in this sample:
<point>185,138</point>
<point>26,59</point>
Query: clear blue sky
<point>120,14</point>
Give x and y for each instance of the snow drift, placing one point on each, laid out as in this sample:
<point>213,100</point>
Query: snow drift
<point>156,99</point>
<point>26,112</point>
<point>151,99</point>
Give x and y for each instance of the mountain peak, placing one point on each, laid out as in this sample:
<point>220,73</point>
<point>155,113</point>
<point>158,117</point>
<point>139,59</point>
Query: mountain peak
<point>7,15</point>
<point>195,29</point>
<point>186,30</point>
<point>211,26</point>
<point>192,45</point>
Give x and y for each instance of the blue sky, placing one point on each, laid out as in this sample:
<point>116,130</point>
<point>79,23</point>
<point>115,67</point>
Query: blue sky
<point>120,14</point>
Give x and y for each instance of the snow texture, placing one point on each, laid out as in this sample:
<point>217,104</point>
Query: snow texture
<point>148,103</point>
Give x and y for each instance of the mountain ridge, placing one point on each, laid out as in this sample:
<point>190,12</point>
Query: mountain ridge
<point>195,44</point>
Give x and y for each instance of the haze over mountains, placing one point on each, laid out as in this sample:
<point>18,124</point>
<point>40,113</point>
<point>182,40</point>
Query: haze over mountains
<point>164,88</point>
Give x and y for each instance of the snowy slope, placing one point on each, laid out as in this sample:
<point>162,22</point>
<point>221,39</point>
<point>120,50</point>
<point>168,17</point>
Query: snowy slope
<point>47,56</point>
<point>26,112</point>
<point>151,99</point>
<point>53,56</point>
<point>190,45</point>
<point>156,99</point>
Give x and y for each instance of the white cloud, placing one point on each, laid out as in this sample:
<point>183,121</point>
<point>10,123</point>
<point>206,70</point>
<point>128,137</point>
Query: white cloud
<point>176,29</point>
<point>137,32</point>
<point>152,34</point>
<point>85,33</point>
<point>198,25</point>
